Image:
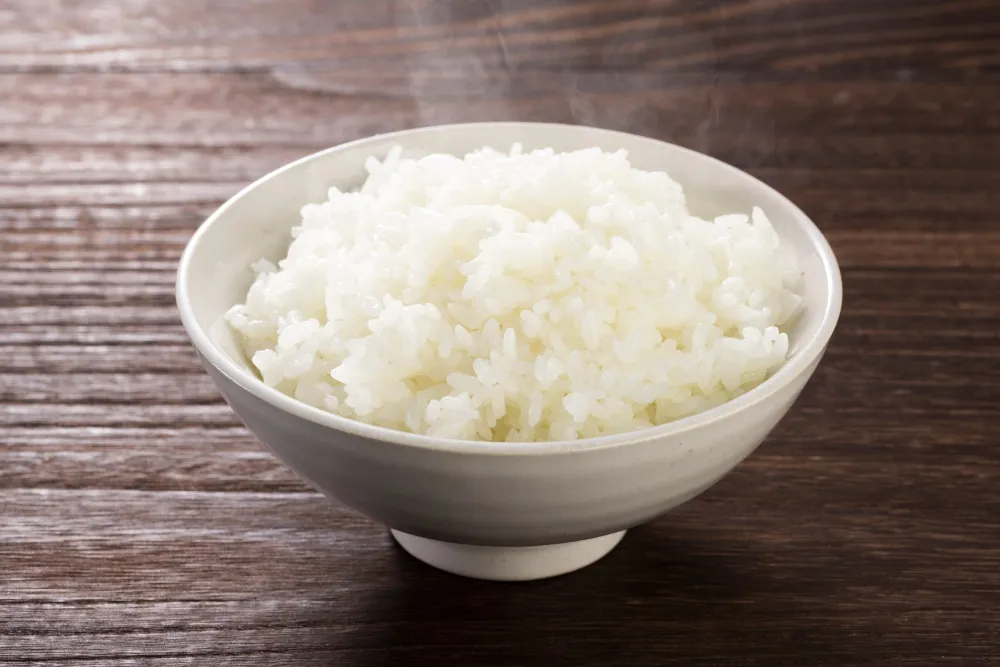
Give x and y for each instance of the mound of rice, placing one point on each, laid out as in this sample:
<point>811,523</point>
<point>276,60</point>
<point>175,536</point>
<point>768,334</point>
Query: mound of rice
<point>520,297</point>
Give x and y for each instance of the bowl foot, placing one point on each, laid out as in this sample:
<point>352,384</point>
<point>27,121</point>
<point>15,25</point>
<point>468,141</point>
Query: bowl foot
<point>508,563</point>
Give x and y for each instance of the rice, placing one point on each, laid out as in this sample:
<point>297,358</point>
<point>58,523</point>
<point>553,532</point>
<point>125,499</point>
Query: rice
<point>519,297</point>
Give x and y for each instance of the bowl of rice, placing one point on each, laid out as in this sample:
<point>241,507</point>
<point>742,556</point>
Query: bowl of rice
<point>509,342</point>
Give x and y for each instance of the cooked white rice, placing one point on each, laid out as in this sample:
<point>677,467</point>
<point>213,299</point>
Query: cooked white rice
<point>521,296</point>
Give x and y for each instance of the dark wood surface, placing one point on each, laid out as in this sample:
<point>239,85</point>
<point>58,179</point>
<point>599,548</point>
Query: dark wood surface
<point>141,524</point>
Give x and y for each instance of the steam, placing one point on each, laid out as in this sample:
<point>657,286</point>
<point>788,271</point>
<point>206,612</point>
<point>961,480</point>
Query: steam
<point>647,67</point>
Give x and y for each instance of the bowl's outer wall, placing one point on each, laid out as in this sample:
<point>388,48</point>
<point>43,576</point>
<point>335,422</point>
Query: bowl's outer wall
<point>509,500</point>
<point>479,498</point>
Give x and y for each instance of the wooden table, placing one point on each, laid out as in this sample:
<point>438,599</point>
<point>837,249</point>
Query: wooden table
<point>142,524</point>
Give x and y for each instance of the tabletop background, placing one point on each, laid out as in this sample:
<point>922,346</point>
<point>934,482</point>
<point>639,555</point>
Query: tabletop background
<point>140,523</point>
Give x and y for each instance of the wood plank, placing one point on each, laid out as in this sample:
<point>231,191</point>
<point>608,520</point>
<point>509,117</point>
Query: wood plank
<point>932,384</point>
<point>154,356</point>
<point>193,457</point>
<point>957,248</point>
<point>92,337</point>
<point>916,292</point>
<point>220,613</point>
<point>136,450</point>
<point>151,459</point>
<point>124,388</point>
<point>165,204</point>
<point>28,164</point>
<point>744,121</point>
<point>765,35</point>
<point>55,414</point>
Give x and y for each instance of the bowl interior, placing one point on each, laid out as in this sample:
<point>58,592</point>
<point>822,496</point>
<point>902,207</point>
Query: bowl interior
<point>256,223</point>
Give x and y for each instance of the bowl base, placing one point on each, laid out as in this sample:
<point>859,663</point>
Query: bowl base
<point>508,563</point>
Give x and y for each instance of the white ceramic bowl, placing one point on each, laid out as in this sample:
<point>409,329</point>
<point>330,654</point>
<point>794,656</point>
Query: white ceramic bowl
<point>510,511</point>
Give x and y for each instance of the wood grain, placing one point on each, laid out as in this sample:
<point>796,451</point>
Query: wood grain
<point>446,37</point>
<point>143,525</point>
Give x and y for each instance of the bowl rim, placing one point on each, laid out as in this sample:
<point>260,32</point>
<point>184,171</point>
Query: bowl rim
<point>807,354</point>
